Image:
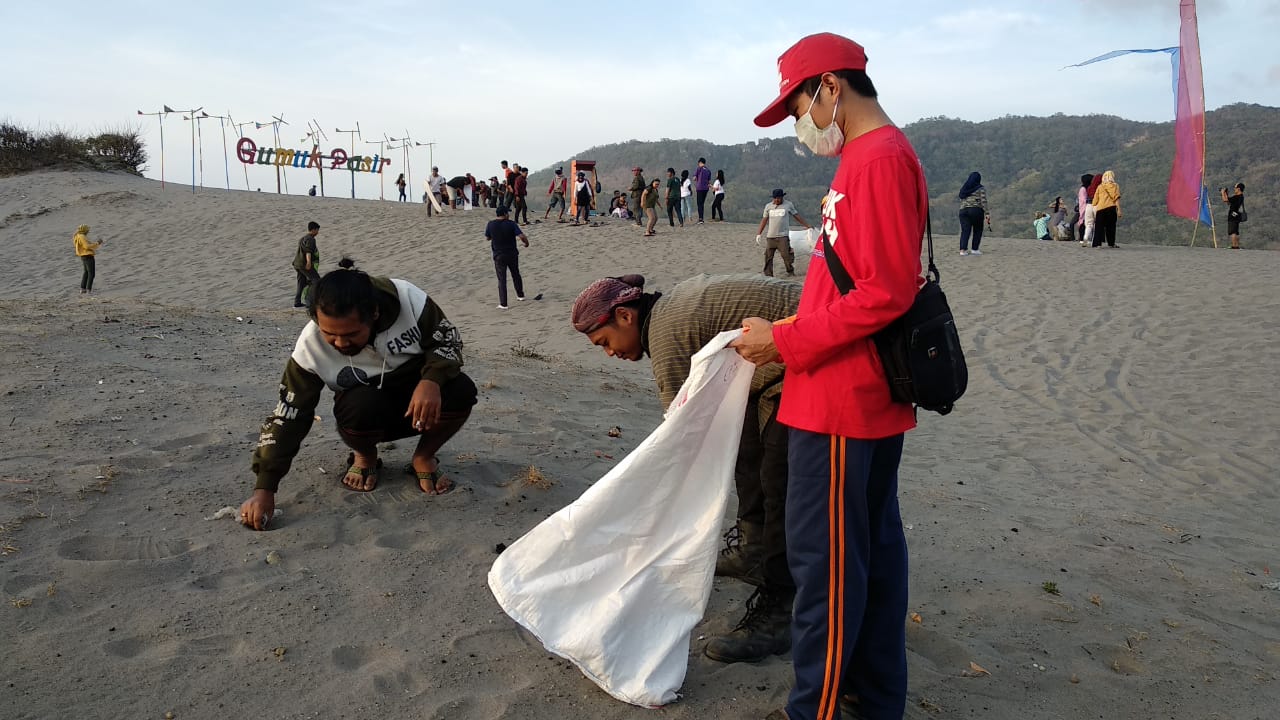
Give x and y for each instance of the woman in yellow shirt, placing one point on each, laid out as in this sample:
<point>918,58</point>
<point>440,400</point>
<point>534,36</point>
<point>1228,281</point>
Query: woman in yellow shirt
<point>85,250</point>
<point>1106,205</point>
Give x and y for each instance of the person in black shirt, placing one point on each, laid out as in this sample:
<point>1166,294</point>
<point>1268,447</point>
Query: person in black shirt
<point>1235,213</point>
<point>305,261</point>
<point>502,235</point>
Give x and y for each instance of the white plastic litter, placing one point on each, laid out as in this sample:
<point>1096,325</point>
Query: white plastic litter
<point>229,511</point>
<point>804,241</point>
<point>615,581</point>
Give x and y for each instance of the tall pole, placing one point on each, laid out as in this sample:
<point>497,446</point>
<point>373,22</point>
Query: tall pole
<point>408,172</point>
<point>314,136</point>
<point>160,116</point>
<point>431,151</point>
<point>190,115</point>
<point>404,146</point>
<point>382,182</point>
<point>353,134</point>
<point>226,164</point>
<point>200,134</point>
<point>240,131</point>
<point>276,122</point>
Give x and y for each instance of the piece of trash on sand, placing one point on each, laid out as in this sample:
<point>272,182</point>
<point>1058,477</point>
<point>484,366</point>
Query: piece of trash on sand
<point>915,618</point>
<point>975,670</point>
<point>1271,585</point>
<point>273,558</point>
<point>615,431</point>
<point>230,512</point>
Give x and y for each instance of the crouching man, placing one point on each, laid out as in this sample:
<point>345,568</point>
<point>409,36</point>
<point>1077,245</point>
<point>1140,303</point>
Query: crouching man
<point>394,363</point>
<point>627,323</point>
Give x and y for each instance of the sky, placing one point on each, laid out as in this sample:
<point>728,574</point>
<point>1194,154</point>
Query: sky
<point>536,83</point>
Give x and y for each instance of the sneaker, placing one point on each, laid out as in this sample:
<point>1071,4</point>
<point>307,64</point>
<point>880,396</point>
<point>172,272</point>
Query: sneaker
<point>1081,243</point>
<point>502,307</point>
<point>764,631</point>
<point>520,298</point>
<point>964,253</point>
<point>975,252</point>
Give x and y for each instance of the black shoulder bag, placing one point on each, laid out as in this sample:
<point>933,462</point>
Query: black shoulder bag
<point>920,351</point>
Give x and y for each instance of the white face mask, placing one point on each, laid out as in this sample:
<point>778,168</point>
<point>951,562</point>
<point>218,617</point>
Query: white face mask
<point>827,141</point>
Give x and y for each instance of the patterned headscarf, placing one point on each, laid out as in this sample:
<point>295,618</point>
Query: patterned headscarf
<point>594,307</point>
<point>83,229</point>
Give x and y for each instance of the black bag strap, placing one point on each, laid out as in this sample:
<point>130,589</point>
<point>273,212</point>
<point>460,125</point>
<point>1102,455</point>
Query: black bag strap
<point>844,283</point>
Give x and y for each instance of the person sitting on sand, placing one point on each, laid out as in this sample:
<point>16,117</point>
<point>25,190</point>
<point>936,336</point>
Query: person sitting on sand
<point>86,251</point>
<point>1041,223</point>
<point>394,363</point>
<point>627,323</point>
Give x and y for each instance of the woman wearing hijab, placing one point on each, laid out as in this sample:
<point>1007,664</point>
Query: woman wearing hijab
<point>1082,199</point>
<point>85,250</point>
<point>973,211</point>
<point>1106,206</point>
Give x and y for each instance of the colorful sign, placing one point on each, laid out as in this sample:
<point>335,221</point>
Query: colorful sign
<point>250,154</point>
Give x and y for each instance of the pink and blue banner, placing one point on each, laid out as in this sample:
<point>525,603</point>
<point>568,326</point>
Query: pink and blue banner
<point>1187,196</point>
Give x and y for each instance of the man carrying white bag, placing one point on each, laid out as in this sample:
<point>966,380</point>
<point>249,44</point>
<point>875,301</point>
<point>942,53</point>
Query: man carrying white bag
<point>616,580</point>
<point>629,324</point>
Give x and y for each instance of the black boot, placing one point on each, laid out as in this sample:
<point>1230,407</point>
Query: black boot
<point>764,631</point>
<point>743,554</point>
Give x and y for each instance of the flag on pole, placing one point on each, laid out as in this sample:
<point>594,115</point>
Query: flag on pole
<point>1187,195</point>
<point>1184,197</point>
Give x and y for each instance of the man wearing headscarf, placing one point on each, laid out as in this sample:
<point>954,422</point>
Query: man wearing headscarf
<point>627,323</point>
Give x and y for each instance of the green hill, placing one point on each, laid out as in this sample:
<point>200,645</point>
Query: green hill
<point>1025,162</point>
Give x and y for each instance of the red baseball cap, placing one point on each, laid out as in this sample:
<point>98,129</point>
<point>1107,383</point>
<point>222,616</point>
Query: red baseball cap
<point>811,57</point>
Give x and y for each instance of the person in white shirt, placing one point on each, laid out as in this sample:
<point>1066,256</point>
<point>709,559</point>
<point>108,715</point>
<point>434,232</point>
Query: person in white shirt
<point>686,192</point>
<point>717,204</point>
<point>434,184</point>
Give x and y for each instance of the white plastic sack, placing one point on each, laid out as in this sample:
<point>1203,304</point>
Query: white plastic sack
<point>616,581</point>
<point>804,241</point>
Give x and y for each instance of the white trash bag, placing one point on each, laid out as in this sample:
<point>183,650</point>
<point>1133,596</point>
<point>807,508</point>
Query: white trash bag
<point>804,241</point>
<point>616,580</point>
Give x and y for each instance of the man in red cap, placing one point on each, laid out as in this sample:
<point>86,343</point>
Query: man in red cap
<point>845,544</point>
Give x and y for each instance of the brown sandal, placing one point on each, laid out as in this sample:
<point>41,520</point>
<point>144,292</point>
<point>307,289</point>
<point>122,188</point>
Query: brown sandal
<point>434,477</point>
<point>364,473</point>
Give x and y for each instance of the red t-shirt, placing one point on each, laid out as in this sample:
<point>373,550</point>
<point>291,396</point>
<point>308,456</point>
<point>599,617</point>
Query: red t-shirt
<point>874,217</point>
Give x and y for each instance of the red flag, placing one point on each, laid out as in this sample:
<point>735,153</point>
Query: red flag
<point>1185,182</point>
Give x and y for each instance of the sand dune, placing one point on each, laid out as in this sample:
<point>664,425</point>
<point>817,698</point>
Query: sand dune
<point>1119,440</point>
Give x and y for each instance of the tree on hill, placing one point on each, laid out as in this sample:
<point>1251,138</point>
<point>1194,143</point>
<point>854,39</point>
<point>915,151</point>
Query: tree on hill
<point>1025,162</point>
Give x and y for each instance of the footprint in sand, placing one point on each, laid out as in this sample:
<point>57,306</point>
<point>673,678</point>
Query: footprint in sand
<point>96,548</point>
